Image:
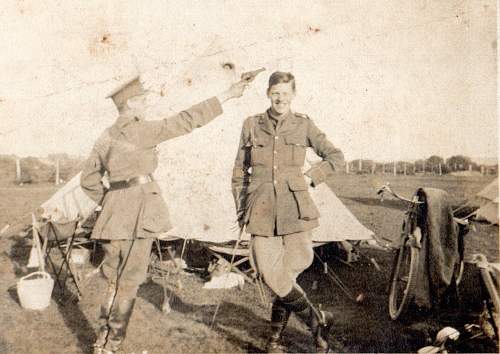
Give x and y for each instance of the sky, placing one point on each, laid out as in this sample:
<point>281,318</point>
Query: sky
<point>385,80</point>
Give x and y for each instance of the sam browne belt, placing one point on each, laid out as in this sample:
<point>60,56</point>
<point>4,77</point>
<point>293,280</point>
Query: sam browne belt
<point>131,182</point>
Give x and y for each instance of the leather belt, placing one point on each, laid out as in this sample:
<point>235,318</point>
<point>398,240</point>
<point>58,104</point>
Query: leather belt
<point>270,172</point>
<point>131,182</point>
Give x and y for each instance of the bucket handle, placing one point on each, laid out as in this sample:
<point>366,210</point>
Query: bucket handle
<point>44,274</point>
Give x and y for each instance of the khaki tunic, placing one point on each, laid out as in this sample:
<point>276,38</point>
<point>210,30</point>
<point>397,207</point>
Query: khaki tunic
<point>268,184</point>
<point>126,150</point>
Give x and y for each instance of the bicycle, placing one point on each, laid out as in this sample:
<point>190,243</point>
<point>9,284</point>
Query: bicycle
<point>406,262</point>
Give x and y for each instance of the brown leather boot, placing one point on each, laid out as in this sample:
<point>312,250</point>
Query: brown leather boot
<point>279,320</point>
<point>319,322</point>
<point>118,322</point>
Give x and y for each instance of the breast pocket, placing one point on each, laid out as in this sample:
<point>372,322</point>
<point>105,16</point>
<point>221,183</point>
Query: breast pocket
<point>261,150</point>
<point>155,216</point>
<point>297,145</point>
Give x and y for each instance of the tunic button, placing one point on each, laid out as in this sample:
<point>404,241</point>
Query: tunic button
<point>275,182</point>
<point>275,152</point>
<point>276,137</point>
<point>275,167</point>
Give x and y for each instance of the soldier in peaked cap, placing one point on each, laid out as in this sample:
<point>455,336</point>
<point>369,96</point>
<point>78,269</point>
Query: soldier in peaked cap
<point>133,211</point>
<point>272,200</point>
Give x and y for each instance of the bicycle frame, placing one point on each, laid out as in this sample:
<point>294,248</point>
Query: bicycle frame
<point>409,246</point>
<point>405,266</point>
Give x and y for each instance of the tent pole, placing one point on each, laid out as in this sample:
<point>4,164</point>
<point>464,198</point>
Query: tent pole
<point>36,240</point>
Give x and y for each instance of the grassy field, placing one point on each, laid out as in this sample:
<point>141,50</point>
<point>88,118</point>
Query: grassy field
<point>241,325</point>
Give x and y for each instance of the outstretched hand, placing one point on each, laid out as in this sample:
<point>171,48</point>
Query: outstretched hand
<point>237,89</point>
<point>234,91</point>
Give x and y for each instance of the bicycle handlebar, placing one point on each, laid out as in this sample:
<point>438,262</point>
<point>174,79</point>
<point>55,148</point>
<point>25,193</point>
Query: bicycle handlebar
<point>387,188</point>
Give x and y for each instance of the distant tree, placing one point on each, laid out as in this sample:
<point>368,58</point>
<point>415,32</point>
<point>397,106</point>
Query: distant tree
<point>369,166</point>
<point>435,160</point>
<point>433,163</point>
<point>68,168</point>
<point>445,169</point>
<point>405,167</point>
<point>379,167</point>
<point>419,166</point>
<point>458,163</point>
<point>361,166</point>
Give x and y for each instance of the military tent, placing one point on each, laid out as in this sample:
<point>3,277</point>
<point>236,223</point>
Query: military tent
<point>207,215</point>
<point>195,169</point>
<point>488,197</point>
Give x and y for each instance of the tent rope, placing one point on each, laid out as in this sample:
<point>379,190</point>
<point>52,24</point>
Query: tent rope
<point>233,256</point>
<point>335,279</point>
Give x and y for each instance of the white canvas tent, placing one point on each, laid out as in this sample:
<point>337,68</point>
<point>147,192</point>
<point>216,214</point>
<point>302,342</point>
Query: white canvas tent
<point>488,211</point>
<point>69,202</point>
<point>195,170</point>
<point>206,215</point>
<point>344,79</point>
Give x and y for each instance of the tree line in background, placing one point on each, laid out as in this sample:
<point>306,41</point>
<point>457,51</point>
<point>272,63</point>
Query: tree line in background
<point>432,165</point>
<point>58,168</point>
<point>55,168</point>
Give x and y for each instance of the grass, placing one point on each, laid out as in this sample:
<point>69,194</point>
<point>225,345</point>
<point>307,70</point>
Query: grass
<point>241,324</point>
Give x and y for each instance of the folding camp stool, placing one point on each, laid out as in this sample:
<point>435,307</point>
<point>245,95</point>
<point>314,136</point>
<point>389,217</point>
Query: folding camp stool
<point>156,264</point>
<point>62,236</point>
<point>243,252</point>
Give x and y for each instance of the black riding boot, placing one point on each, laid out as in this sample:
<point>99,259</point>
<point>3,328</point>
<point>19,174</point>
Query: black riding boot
<point>118,322</point>
<point>103,321</point>
<point>279,320</point>
<point>319,322</point>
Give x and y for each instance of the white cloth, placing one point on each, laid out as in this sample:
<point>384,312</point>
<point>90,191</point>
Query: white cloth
<point>225,281</point>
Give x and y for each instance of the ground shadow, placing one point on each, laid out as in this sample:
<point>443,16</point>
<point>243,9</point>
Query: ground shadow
<point>74,318</point>
<point>229,316</point>
<point>374,330</point>
<point>19,254</point>
<point>63,294</point>
<point>13,294</point>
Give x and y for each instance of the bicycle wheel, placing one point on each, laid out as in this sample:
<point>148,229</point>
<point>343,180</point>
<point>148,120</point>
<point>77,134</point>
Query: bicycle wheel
<point>459,273</point>
<point>463,229</point>
<point>404,279</point>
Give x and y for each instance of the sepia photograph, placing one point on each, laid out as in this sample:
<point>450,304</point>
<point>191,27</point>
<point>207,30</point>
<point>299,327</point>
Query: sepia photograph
<point>316,176</point>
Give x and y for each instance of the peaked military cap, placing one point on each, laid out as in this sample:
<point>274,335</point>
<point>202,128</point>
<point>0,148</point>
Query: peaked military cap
<point>131,88</point>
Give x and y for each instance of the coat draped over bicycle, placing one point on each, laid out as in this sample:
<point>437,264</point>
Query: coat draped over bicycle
<point>439,257</point>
